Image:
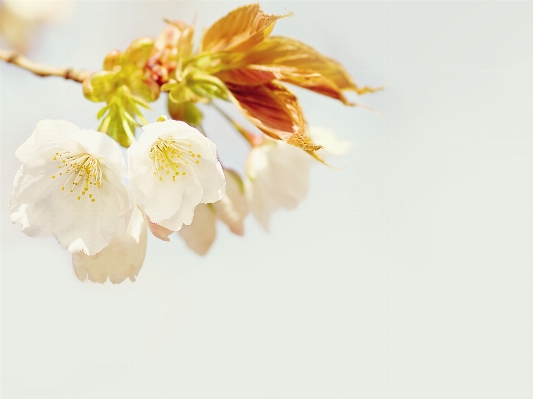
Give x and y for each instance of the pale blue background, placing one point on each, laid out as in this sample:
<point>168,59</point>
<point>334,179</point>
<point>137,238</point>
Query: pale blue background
<point>407,274</point>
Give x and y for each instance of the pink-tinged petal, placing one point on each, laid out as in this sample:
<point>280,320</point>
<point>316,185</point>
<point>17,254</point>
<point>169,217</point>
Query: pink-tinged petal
<point>158,231</point>
<point>234,206</point>
<point>121,259</point>
<point>201,233</point>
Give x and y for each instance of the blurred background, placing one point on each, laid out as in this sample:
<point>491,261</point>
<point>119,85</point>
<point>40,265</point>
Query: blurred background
<point>407,273</point>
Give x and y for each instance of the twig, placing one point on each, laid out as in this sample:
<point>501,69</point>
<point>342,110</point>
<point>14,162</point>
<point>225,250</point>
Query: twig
<point>14,58</point>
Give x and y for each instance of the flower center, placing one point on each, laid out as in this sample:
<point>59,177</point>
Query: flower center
<point>169,154</point>
<point>79,168</point>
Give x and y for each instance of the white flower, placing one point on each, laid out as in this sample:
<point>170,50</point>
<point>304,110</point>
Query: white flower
<point>121,259</point>
<point>69,187</point>
<point>231,209</point>
<point>173,168</point>
<point>278,177</point>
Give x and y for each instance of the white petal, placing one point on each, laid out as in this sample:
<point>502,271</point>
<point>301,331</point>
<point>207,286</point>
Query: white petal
<point>278,178</point>
<point>185,212</point>
<point>121,259</point>
<point>201,233</point>
<point>29,203</point>
<point>48,135</point>
<point>233,207</point>
<point>102,147</point>
<point>211,177</point>
<point>84,225</point>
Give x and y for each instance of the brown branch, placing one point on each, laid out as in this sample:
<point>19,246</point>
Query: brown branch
<point>42,70</point>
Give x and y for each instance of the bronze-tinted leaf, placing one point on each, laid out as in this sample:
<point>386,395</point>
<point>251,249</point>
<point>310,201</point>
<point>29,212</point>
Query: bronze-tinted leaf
<point>240,30</point>
<point>260,74</point>
<point>275,110</point>
<point>288,52</point>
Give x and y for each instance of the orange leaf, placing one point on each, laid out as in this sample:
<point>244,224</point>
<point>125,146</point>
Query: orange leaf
<point>240,30</point>
<point>288,52</point>
<point>259,74</point>
<point>274,110</point>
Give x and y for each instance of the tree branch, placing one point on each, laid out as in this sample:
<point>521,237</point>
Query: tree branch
<point>42,70</point>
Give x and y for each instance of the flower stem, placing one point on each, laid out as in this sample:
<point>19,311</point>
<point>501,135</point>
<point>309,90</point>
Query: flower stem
<point>252,139</point>
<point>42,70</point>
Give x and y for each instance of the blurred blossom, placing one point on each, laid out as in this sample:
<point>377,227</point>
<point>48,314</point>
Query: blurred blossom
<point>331,145</point>
<point>173,168</point>
<point>278,177</point>
<point>201,233</point>
<point>69,186</point>
<point>20,19</point>
<point>231,210</point>
<point>158,231</point>
<point>121,259</point>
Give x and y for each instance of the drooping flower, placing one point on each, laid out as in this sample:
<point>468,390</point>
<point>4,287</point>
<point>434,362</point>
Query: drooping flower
<point>173,168</point>
<point>69,186</point>
<point>231,210</point>
<point>121,259</point>
<point>278,177</point>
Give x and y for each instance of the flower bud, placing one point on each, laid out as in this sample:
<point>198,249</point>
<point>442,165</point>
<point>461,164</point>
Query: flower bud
<point>111,60</point>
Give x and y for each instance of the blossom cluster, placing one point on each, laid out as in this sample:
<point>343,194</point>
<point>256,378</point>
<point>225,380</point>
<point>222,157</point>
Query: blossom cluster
<point>74,184</point>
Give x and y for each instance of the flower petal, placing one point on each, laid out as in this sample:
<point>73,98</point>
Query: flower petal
<point>233,207</point>
<point>48,134</point>
<point>121,259</point>
<point>201,233</point>
<point>158,231</point>
<point>278,178</point>
<point>86,225</point>
<point>29,203</point>
<point>102,147</point>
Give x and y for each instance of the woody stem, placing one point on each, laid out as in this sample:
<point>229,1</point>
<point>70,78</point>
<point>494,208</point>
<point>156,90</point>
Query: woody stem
<point>42,70</point>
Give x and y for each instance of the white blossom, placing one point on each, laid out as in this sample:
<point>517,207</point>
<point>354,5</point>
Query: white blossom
<point>278,177</point>
<point>121,259</point>
<point>173,168</point>
<point>69,186</point>
<point>231,210</point>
